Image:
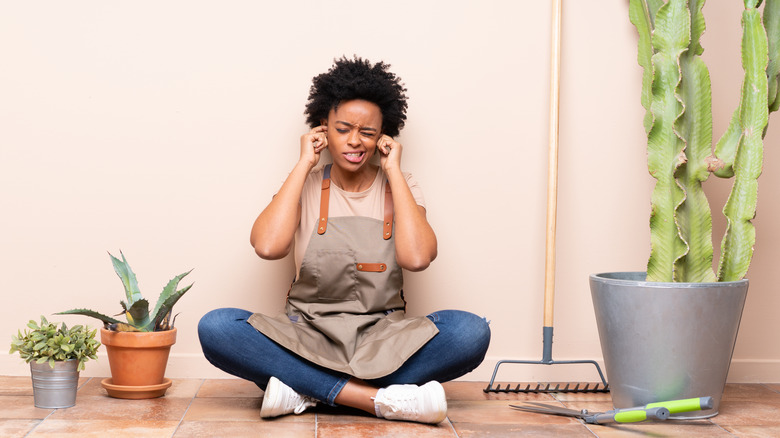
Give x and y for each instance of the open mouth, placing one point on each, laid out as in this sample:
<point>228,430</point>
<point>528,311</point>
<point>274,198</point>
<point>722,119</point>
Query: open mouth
<point>354,157</point>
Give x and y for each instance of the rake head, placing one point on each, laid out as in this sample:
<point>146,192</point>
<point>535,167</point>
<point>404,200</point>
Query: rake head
<point>548,387</point>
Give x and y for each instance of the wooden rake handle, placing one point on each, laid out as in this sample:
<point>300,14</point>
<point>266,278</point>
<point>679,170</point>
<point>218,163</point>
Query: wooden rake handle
<point>552,172</point>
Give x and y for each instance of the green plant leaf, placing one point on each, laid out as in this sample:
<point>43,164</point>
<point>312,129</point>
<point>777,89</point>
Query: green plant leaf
<point>168,297</point>
<point>138,314</point>
<point>51,343</point>
<point>129,281</point>
<point>91,313</point>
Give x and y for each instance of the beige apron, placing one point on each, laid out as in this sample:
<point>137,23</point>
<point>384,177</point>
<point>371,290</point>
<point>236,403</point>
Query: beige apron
<point>345,311</point>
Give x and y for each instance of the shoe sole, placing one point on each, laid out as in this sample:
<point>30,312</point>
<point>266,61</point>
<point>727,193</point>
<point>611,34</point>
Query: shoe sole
<point>269,398</point>
<point>442,405</point>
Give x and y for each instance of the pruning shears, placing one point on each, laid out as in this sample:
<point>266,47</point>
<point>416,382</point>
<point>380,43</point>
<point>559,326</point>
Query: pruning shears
<point>652,411</point>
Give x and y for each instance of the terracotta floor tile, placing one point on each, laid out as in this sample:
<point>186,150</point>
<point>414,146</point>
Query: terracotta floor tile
<point>343,414</point>
<point>96,407</point>
<point>583,397</point>
<point>258,428</point>
<point>668,428</point>
<point>754,431</point>
<point>179,388</point>
<point>17,428</point>
<point>51,428</point>
<point>773,386</point>
<point>229,388</point>
<point>21,407</point>
<point>92,388</point>
<point>748,413</point>
<point>479,430</point>
<point>498,412</point>
<point>231,407</point>
<point>15,385</point>
<point>748,391</point>
<point>224,408</point>
<point>236,409</point>
<point>184,388</point>
<point>384,429</point>
<point>474,391</point>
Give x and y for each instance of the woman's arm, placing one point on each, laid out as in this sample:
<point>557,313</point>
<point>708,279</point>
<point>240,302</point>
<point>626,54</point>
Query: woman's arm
<point>415,241</point>
<point>273,232</point>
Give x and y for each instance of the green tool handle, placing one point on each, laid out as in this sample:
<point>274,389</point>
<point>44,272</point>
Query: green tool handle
<point>630,416</point>
<point>686,405</point>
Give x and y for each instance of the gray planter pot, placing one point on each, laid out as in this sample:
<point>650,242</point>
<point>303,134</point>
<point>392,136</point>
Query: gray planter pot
<point>55,388</point>
<point>666,341</point>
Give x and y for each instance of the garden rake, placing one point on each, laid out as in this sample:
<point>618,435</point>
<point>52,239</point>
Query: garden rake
<point>549,268</point>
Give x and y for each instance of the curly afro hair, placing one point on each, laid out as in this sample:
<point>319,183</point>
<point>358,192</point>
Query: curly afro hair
<point>356,78</point>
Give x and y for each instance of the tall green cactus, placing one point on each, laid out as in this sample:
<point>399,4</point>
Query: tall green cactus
<point>676,93</point>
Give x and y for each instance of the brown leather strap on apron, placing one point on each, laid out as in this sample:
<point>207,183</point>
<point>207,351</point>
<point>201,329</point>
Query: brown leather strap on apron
<point>387,229</point>
<point>324,197</point>
<point>371,267</point>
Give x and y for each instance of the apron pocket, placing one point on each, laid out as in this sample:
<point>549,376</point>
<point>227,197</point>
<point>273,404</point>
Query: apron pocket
<point>336,275</point>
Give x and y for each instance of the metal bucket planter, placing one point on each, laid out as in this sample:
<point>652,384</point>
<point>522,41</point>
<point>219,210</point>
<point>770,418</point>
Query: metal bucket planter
<point>55,388</point>
<point>666,341</point>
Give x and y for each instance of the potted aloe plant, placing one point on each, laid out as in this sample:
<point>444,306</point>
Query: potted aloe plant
<point>56,355</point>
<point>138,348</point>
<point>669,332</point>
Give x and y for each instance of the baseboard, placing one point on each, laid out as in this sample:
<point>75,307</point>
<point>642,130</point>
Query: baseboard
<point>197,367</point>
<point>754,371</point>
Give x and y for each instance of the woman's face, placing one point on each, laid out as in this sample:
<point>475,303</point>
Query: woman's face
<point>353,131</point>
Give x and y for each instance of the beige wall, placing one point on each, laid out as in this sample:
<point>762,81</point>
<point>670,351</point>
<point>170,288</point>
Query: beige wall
<point>163,128</point>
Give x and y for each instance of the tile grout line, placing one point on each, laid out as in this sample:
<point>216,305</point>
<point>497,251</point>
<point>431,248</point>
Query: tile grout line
<point>767,387</point>
<point>40,421</point>
<point>452,426</point>
<point>723,429</point>
<point>192,400</point>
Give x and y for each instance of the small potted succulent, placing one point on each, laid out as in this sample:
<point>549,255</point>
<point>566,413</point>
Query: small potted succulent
<point>138,348</point>
<point>56,356</point>
<point>669,332</point>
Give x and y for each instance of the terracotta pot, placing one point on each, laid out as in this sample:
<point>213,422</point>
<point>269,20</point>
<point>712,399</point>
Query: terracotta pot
<point>138,358</point>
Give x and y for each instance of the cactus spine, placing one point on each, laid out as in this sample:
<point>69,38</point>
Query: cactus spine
<point>676,93</point>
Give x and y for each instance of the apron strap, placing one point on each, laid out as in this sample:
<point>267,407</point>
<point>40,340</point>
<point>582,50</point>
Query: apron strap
<point>387,228</point>
<point>387,231</point>
<point>324,198</point>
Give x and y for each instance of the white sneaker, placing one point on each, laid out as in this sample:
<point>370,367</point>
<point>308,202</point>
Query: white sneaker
<point>423,404</point>
<point>280,399</point>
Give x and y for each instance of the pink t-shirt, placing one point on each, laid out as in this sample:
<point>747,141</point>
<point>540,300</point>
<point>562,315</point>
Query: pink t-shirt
<point>369,203</point>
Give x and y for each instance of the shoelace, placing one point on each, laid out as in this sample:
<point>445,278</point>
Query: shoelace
<point>404,404</point>
<point>302,403</point>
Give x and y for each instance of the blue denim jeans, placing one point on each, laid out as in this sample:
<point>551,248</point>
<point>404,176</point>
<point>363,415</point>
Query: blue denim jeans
<point>231,344</point>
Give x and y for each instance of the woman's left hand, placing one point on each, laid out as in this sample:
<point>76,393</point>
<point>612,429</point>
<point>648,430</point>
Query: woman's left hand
<point>389,153</point>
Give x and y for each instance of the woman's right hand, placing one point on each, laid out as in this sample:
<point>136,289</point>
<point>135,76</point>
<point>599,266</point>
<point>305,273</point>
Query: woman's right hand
<point>312,144</point>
